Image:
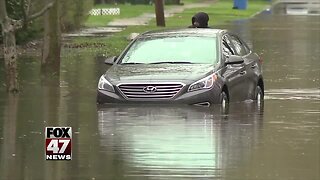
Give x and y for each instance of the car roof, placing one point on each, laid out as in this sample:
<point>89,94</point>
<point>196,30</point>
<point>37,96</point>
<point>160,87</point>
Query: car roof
<point>207,32</point>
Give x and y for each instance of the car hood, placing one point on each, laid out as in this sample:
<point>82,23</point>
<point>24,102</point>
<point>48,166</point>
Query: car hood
<point>157,72</point>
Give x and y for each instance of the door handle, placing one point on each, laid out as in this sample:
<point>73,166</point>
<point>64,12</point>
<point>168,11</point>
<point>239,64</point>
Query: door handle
<point>243,72</point>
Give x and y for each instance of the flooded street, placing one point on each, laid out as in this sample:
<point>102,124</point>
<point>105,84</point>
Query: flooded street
<point>279,140</point>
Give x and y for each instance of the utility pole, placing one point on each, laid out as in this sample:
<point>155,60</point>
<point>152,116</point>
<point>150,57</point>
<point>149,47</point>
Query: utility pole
<point>159,13</point>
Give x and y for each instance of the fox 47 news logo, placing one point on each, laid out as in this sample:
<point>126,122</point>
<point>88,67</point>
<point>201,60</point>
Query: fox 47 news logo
<point>58,143</point>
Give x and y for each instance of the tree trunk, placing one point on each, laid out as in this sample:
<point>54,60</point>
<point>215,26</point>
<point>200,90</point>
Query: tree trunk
<point>10,54</point>
<point>52,40</point>
<point>9,27</point>
<point>78,16</point>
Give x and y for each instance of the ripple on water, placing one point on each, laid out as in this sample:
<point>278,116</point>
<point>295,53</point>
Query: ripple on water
<point>293,94</point>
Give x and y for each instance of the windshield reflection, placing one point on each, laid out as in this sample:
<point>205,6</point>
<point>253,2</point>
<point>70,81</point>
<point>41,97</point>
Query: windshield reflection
<point>176,49</point>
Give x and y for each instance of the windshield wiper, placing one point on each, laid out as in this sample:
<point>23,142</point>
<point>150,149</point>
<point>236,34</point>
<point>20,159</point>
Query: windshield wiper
<point>173,62</point>
<point>131,63</point>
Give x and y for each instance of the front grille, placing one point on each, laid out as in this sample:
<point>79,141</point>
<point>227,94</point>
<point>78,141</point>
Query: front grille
<point>150,91</point>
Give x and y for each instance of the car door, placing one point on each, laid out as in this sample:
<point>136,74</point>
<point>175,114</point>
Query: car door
<point>251,65</point>
<point>235,74</point>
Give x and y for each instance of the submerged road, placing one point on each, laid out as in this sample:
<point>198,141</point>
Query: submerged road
<point>280,140</point>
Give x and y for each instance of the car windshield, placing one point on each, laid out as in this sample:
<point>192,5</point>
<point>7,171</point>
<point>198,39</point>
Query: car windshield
<point>175,50</point>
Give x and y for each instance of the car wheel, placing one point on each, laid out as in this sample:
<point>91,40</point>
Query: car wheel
<point>224,100</point>
<point>259,95</point>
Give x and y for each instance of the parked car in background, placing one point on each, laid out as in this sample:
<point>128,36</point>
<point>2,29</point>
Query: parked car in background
<point>198,66</point>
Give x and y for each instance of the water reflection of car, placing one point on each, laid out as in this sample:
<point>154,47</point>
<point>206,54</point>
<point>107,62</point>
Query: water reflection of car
<point>189,66</point>
<point>178,140</point>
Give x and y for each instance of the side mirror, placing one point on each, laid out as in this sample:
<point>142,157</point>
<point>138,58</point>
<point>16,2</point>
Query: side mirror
<point>110,60</point>
<point>234,60</point>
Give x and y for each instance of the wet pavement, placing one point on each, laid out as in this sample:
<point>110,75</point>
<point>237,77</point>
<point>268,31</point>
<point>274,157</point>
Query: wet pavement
<point>279,140</point>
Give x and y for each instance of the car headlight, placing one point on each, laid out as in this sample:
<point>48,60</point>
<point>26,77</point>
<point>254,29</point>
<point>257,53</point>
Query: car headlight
<point>105,84</point>
<point>204,83</point>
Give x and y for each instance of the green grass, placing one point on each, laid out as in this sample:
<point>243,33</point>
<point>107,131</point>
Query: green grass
<point>219,13</point>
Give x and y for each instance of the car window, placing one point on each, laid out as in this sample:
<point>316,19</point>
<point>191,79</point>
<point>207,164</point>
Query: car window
<point>238,46</point>
<point>227,48</point>
<point>188,49</point>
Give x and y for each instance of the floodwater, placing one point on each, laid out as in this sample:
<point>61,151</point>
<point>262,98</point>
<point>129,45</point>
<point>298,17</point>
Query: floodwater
<point>279,140</point>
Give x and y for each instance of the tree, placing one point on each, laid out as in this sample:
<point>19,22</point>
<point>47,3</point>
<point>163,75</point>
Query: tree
<point>62,16</point>
<point>73,13</point>
<point>52,40</point>
<point>9,27</point>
